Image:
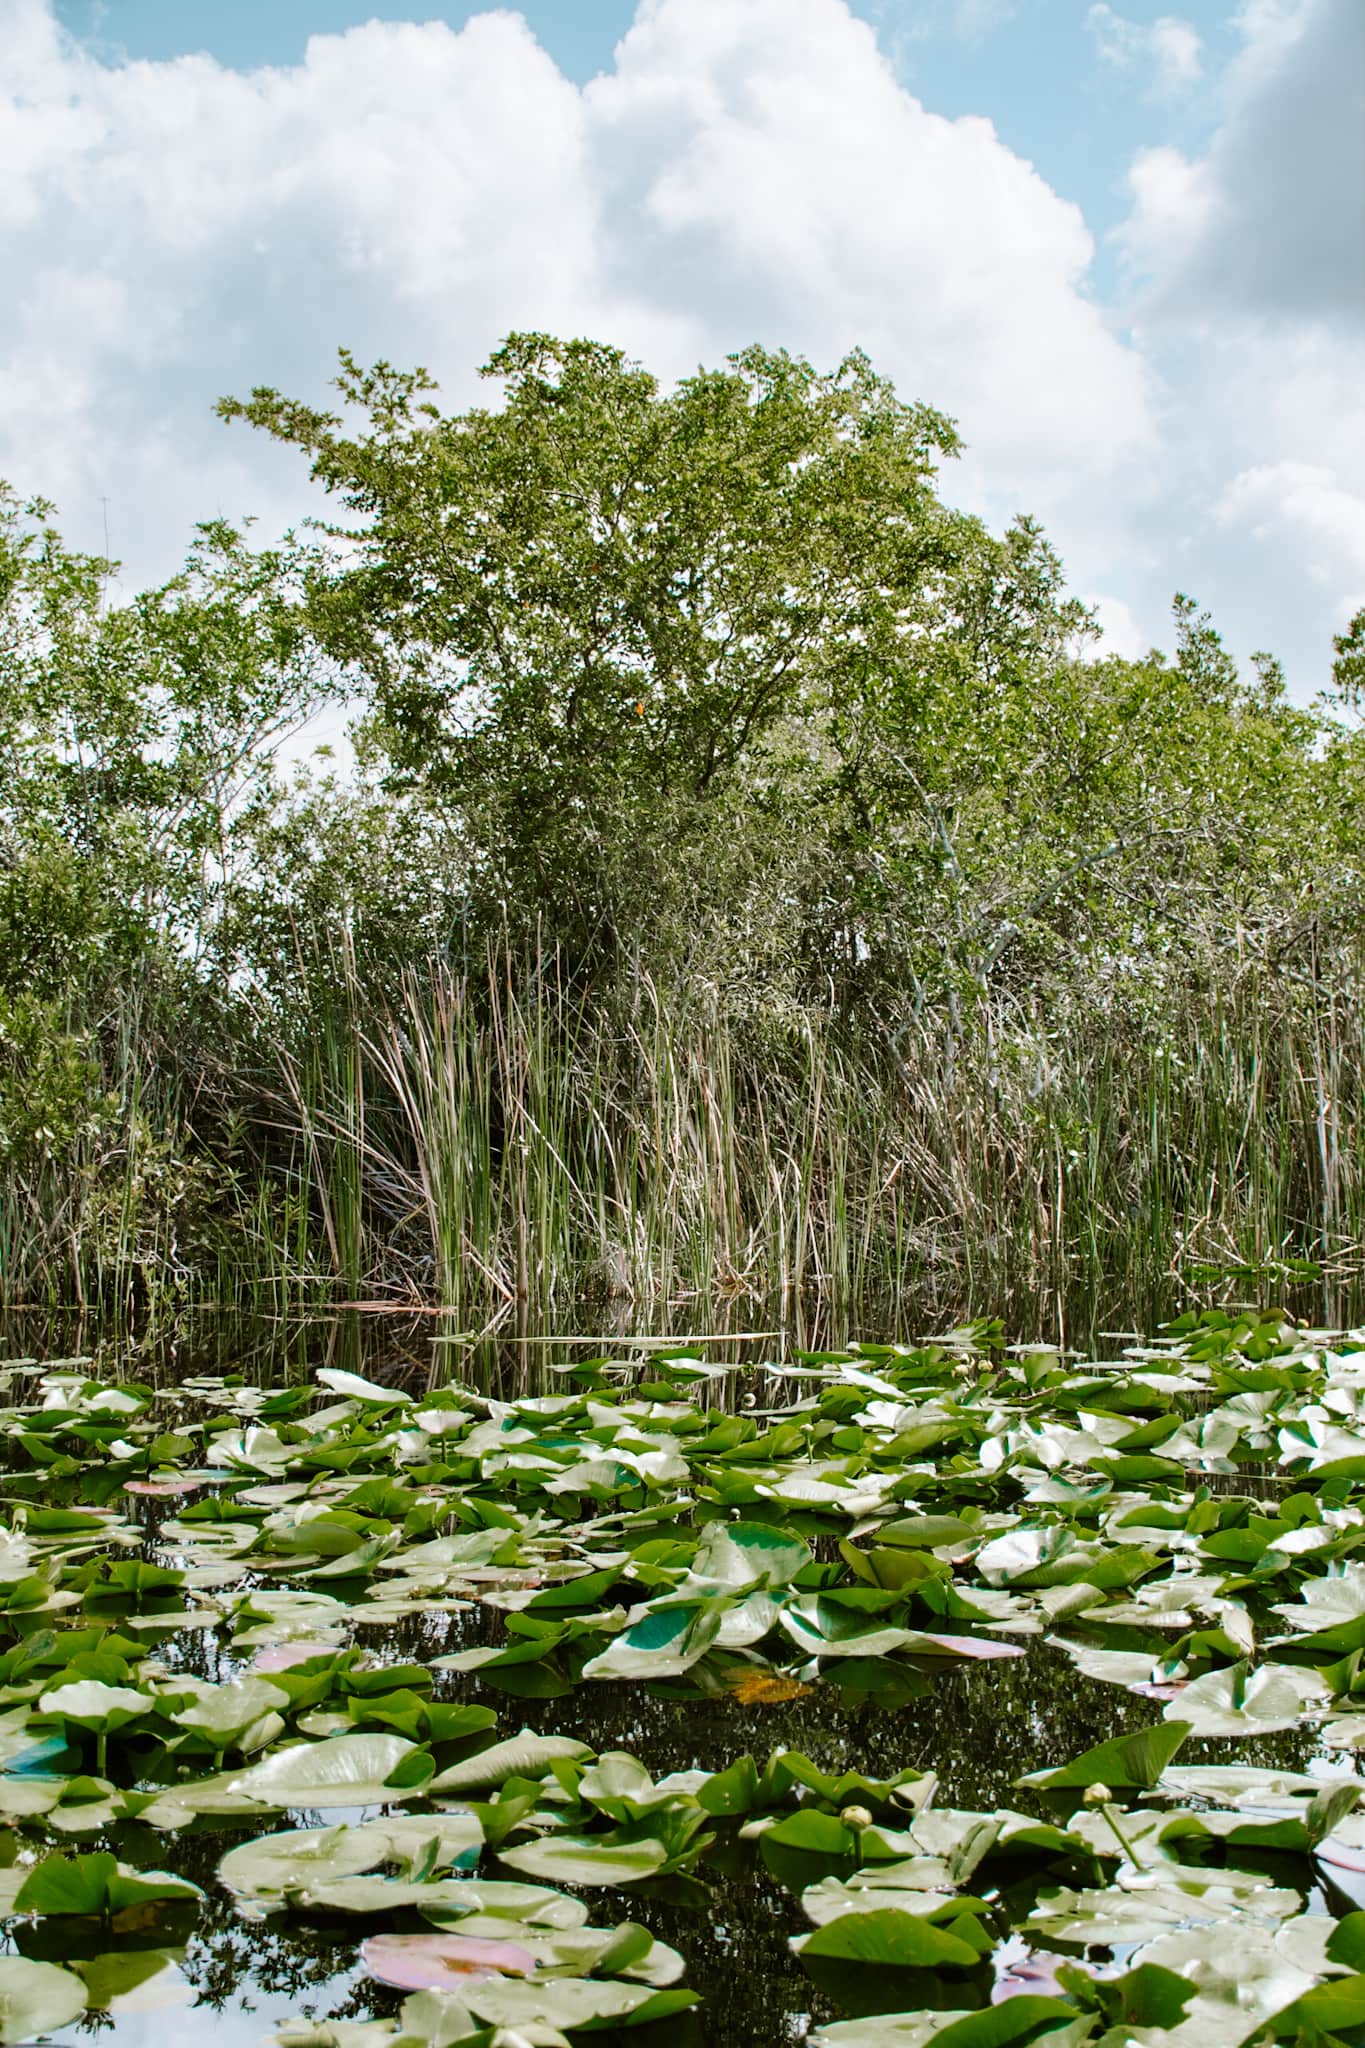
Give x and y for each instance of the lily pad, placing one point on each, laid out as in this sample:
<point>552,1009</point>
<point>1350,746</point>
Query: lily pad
<point>346,1770</point>
<point>36,1998</point>
<point>431,1962</point>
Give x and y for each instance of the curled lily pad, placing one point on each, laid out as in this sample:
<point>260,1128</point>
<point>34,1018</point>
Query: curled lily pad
<point>101,1708</point>
<point>1240,1701</point>
<point>353,1387</point>
<point>522,1756</point>
<point>1136,1759</point>
<point>97,1883</point>
<point>244,1714</point>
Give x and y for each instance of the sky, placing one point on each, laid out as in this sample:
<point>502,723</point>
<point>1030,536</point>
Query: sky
<point>1122,245</point>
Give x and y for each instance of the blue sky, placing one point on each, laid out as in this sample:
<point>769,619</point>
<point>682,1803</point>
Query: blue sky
<point>1111,237</point>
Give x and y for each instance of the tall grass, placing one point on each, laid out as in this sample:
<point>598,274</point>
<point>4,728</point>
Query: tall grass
<point>491,1142</point>
<point>499,1144</point>
<point>115,1200</point>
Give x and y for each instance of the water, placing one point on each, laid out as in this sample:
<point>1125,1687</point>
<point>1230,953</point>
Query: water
<point>980,1727</point>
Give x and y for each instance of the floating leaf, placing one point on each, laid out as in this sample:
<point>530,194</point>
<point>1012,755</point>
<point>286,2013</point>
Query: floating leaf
<point>96,1883</point>
<point>582,1860</point>
<point>429,1962</point>
<point>888,1937</point>
<point>36,1998</point>
<point>1136,1759</point>
<point>1240,1701</point>
<point>346,1770</point>
<point>522,1756</point>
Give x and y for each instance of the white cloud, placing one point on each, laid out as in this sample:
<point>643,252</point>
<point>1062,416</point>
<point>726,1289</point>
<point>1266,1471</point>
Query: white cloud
<point>971,20</point>
<point>1172,47</point>
<point>1120,630</point>
<point>1179,52</point>
<point>1278,220</point>
<point>749,170</point>
<point>765,170</point>
<point>975,18</point>
<point>1247,297</point>
<point>1310,505</point>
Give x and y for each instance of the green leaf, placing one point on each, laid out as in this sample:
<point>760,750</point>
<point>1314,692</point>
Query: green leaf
<point>585,1860</point>
<point>96,1883</point>
<point>1136,1759</point>
<point>344,1770</point>
<point>886,1936</point>
<point>574,2002</point>
<point>224,1714</point>
<point>36,1998</point>
<point>100,1708</point>
<point>1240,1701</point>
<point>521,1756</point>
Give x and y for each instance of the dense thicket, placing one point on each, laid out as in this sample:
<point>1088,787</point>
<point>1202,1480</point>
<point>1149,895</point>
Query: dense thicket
<point>752,872</point>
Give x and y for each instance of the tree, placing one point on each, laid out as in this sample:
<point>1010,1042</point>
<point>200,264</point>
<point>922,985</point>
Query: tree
<point>591,616</point>
<point>136,740</point>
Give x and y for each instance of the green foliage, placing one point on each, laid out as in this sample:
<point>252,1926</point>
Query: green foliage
<point>594,614</point>
<point>748,877</point>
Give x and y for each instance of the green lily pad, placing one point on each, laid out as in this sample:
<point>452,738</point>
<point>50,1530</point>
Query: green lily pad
<point>1240,1701</point>
<point>889,1937</point>
<point>522,1756</point>
<point>346,1770</point>
<point>36,1998</point>
<point>96,1883</point>
<point>583,1860</point>
<point>1136,1759</point>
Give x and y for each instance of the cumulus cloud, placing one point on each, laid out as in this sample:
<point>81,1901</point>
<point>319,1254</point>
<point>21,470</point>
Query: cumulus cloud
<point>764,168</point>
<point>1246,294</point>
<point>1120,632</point>
<point>750,170</point>
<point>747,170</point>
<point>1271,221</point>
<point>1314,507</point>
<point>1172,47</point>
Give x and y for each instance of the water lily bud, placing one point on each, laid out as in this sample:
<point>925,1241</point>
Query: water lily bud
<point>1098,1795</point>
<point>856,1817</point>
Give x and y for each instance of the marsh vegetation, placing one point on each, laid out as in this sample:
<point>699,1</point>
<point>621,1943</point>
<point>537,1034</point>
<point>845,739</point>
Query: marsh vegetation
<point>752,876</point>
<point>746,887</point>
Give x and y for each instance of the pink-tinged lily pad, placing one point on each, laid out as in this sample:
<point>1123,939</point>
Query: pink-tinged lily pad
<point>1150,1690</point>
<point>926,1644</point>
<point>429,1962</point>
<point>279,1656</point>
<point>1340,1855</point>
<point>162,1489</point>
<point>1033,1976</point>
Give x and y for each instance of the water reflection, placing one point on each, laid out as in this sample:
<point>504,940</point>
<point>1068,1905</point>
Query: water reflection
<point>419,1347</point>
